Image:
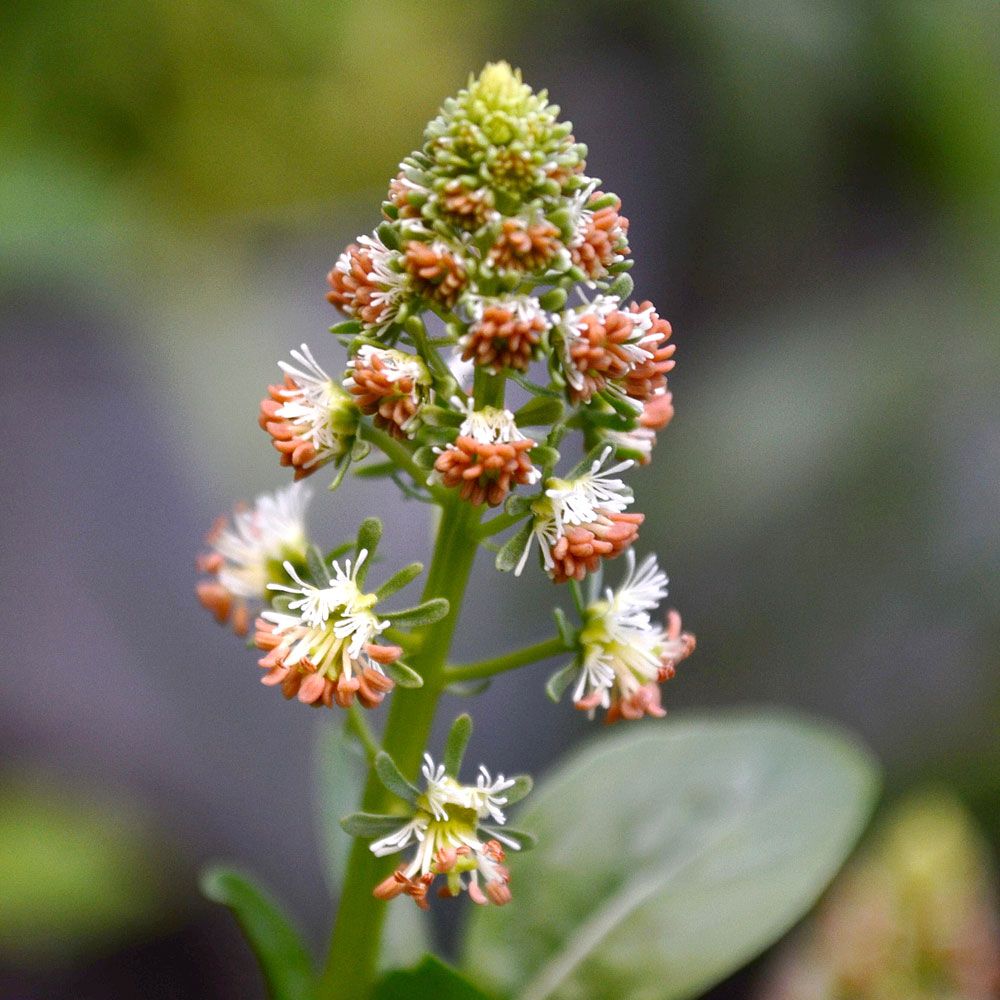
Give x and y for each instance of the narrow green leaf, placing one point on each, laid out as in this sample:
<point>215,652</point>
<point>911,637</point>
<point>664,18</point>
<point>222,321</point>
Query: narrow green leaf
<point>319,572</point>
<point>399,580</point>
<point>556,685</point>
<point>370,825</point>
<point>511,551</point>
<point>468,689</point>
<point>389,235</point>
<point>375,470</point>
<point>338,552</point>
<point>539,411</point>
<point>369,535</point>
<point>516,840</point>
<point>523,783</point>
<point>566,631</point>
<point>458,740</point>
<point>340,471</point>
<point>390,776</point>
<point>425,613</point>
<point>545,457</point>
<point>430,980</point>
<point>741,823</point>
<point>405,676</point>
<point>349,327</point>
<point>622,286</point>
<point>283,958</point>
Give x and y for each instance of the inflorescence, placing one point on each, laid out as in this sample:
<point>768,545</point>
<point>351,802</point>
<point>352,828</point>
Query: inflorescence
<point>486,319</point>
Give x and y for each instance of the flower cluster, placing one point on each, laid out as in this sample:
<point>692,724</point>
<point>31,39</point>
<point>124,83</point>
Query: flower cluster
<point>487,317</point>
<point>622,655</point>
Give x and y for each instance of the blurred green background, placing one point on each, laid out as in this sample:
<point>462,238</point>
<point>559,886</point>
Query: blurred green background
<point>814,196</point>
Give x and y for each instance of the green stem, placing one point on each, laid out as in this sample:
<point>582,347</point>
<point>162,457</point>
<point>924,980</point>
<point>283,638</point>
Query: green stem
<point>394,450</point>
<point>352,961</point>
<point>509,661</point>
<point>357,724</point>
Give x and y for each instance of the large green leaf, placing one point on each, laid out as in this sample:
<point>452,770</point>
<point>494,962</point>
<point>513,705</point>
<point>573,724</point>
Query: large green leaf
<point>670,855</point>
<point>340,771</point>
<point>283,958</point>
<point>430,980</point>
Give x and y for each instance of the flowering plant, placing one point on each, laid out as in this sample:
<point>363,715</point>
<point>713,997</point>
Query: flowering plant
<point>489,332</point>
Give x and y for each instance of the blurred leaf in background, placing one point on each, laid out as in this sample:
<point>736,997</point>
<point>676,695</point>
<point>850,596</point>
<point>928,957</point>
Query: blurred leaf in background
<point>78,873</point>
<point>916,917</point>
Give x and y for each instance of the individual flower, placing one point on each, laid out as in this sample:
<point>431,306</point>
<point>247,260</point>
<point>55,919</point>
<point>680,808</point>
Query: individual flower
<point>602,345</point>
<point>367,284</point>
<point>310,418</point>
<point>638,443</point>
<point>600,233</point>
<point>648,378</point>
<point>504,332</point>
<point>623,655</point>
<point>523,245</point>
<point>320,643</point>
<point>246,553</point>
<point>405,196</point>
<point>388,385</point>
<point>436,271</point>
<point>447,829</point>
<point>581,520</point>
<point>489,456</point>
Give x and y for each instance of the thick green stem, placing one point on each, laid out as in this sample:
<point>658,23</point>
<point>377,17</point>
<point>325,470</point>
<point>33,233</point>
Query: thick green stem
<point>352,962</point>
<point>510,661</point>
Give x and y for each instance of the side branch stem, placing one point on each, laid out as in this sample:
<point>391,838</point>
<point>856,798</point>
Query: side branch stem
<point>510,661</point>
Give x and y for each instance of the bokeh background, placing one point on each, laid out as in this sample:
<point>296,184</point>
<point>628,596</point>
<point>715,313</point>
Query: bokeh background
<point>814,192</point>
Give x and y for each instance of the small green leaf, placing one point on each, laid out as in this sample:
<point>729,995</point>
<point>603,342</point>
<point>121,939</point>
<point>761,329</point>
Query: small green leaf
<point>282,956</point>
<point>389,235</point>
<point>369,535</point>
<point>340,471</point>
<point>425,457</point>
<point>517,504</point>
<point>425,613</point>
<point>430,980</point>
<point>741,822</point>
<point>399,580</point>
<point>545,457</point>
<point>370,825</point>
<point>539,411</point>
<point>375,470</point>
<point>553,300</point>
<point>458,740</point>
<point>337,552</point>
<point>392,778</point>
<point>556,685</point>
<point>523,783</point>
<point>511,551</point>
<point>405,676</point>
<point>319,571</point>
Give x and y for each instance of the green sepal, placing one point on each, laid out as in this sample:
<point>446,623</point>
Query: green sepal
<point>517,504</point>
<point>469,689</point>
<point>523,783</point>
<point>458,740</point>
<point>283,958</point>
<point>399,580</point>
<point>545,457</point>
<point>553,300</point>
<point>539,411</point>
<point>425,457</point>
<point>319,572</point>
<point>389,235</point>
<point>519,840</point>
<point>622,286</point>
<point>555,686</point>
<point>511,551</point>
<point>566,631</point>
<point>392,778</point>
<point>369,535</point>
<point>370,825</point>
<point>349,327</point>
<point>405,676</point>
<point>425,613</point>
<point>626,406</point>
